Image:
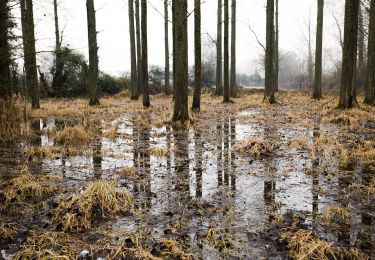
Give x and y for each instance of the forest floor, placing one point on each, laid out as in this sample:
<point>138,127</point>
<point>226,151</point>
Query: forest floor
<point>240,180</point>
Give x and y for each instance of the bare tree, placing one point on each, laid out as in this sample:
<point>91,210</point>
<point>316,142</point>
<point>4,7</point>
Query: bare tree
<point>166,43</point>
<point>219,68</point>
<point>139,49</point>
<point>361,74</point>
<point>181,110</point>
<point>269,59</point>
<point>198,56</point>
<point>57,77</point>
<point>276,72</point>
<point>146,98</point>
<point>233,71</point>
<point>370,90</point>
<point>349,60</point>
<point>133,59</point>
<point>5,54</point>
<point>226,51</point>
<point>28,35</point>
<point>317,94</point>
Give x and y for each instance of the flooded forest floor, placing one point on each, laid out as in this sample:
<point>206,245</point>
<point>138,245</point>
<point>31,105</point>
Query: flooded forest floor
<point>242,180</point>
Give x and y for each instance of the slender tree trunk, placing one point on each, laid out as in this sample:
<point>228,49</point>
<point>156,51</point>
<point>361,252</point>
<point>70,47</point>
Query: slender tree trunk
<point>174,46</point>
<point>27,20</point>
<point>198,56</point>
<point>276,72</point>
<point>361,77</point>
<point>5,55</point>
<point>310,63</point>
<point>269,60</point>
<point>139,49</point>
<point>226,51</point>
<point>370,90</point>
<point>219,49</point>
<point>57,83</point>
<point>134,88</point>
<point>93,54</point>
<point>181,110</point>
<point>349,60</point>
<point>146,98</point>
<point>317,94</point>
<point>233,71</point>
<point>166,43</point>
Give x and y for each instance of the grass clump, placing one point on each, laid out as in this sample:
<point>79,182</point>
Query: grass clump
<point>8,231</point>
<point>72,135</point>
<point>255,147</point>
<point>218,238</point>
<point>11,118</point>
<point>130,173</point>
<point>305,245</point>
<point>158,152</point>
<point>335,213</point>
<point>22,188</point>
<point>172,249</point>
<point>100,199</point>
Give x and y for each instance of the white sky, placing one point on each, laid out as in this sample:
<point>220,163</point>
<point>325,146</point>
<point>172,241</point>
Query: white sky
<point>113,37</point>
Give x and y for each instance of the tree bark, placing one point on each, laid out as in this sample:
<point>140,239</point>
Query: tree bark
<point>317,94</point>
<point>198,56</point>
<point>174,46</point>
<point>146,98</point>
<point>93,54</point>
<point>349,60</point>
<point>219,49</point>
<point>276,72</point>
<point>133,59</point>
<point>139,49</point>
<point>269,60</point>
<point>361,77</point>
<point>233,70</point>
<point>166,43</point>
<point>370,90</point>
<point>27,21</point>
<point>181,110</point>
<point>5,54</point>
<point>57,83</point>
<point>226,51</point>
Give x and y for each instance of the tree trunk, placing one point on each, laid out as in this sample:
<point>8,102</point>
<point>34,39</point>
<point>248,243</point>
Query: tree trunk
<point>134,88</point>
<point>93,54</point>
<point>166,43</point>
<point>349,60</point>
<point>198,56</point>
<point>370,90</point>
<point>5,75</point>
<point>269,60</point>
<point>317,94</point>
<point>181,110</point>
<point>27,20</point>
<point>361,77</point>
<point>233,71</point>
<point>57,83</point>
<point>174,46</point>
<point>219,49</point>
<point>139,49</point>
<point>226,51</point>
<point>310,63</point>
<point>146,98</point>
<point>276,72</point>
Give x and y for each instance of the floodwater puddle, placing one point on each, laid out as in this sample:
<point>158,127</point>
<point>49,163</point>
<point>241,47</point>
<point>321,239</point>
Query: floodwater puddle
<point>191,182</point>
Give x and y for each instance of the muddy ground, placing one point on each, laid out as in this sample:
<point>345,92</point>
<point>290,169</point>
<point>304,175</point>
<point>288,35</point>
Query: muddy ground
<point>243,180</point>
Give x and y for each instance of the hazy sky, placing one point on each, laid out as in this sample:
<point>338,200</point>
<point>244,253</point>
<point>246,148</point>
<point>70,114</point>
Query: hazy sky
<point>113,37</point>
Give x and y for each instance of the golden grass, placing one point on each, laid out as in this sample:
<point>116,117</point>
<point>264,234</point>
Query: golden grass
<point>72,135</point>
<point>304,245</point>
<point>158,152</point>
<point>254,147</point>
<point>331,214</point>
<point>78,212</point>
<point>11,118</point>
<point>22,188</point>
<point>112,132</point>
<point>8,230</point>
<point>299,142</point>
<point>130,173</point>
<point>174,250</point>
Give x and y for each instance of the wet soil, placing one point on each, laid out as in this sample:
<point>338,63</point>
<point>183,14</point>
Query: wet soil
<point>191,184</point>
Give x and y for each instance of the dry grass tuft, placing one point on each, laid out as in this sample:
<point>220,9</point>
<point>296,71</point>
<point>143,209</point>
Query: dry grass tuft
<point>72,135</point>
<point>131,173</point>
<point>100,198</point>
<point>172,249</point>
<point>221,240</point>
<point>299,143</point>
<point>8,231</point>
<point>22,188</point>
<point>158,152</point>
<point>11,118</point>
<point>255,148</point>
<point>333,213</point>
<point>304,245</point>
<point>112,132</point>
